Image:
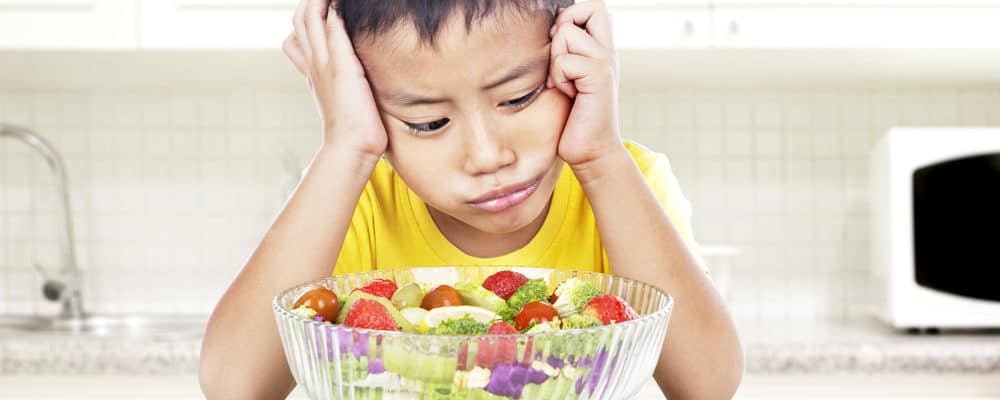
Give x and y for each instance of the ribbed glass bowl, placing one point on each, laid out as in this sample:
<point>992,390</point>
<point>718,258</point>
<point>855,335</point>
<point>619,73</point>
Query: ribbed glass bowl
<point>610,362</point>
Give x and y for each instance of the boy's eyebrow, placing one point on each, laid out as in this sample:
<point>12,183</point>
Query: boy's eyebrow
<point>518,71</point>
<point>408,99</point>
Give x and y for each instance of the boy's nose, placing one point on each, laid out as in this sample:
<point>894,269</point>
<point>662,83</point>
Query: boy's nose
<point>485,152</point>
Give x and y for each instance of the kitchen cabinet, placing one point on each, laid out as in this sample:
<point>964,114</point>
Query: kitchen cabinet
<point>657,24</point>
<point>856,25</point>
<point>214,24</point>
<point>637,24</point>
<point>67,24</point>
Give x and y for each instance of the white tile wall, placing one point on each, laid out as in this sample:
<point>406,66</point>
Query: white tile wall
<point>171,191</point>
<point>783,176</point>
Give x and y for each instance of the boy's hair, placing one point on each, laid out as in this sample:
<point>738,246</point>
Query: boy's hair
<point>370,18</point>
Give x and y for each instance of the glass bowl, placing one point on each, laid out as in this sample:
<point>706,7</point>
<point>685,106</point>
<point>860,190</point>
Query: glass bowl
<point>608,362</point>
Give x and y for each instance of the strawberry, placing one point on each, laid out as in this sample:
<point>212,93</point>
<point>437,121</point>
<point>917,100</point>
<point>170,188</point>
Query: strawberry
<point>369,314</point>
<point>380,287</point>
<point>501,328</point>
<point>609,309</point>
<point>493,351</point>
<point>504,283</point>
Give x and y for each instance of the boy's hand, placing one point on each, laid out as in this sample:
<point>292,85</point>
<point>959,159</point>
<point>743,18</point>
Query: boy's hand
<point>584,67</point>
<point>322,52</point>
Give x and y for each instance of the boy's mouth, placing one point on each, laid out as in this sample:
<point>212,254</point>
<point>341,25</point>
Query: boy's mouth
<point>506,197</point>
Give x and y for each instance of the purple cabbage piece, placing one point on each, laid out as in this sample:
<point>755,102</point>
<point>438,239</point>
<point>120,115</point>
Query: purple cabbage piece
<point>376,366</point>
<point>509,379</point>
<point>593,376</point>
<point>319,318</point>
<point>556,362</point>
<point>350,342</point>
<point>346,341</point>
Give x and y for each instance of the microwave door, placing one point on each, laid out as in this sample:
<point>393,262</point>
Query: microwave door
<point>956,226</point>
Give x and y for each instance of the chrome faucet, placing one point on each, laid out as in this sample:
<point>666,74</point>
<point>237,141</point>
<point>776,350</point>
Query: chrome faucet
<point>65,286</point>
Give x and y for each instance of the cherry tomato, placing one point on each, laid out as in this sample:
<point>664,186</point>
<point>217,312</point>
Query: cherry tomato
<point>535,312</point>
<point>441,296</point>
<point>322,300</point>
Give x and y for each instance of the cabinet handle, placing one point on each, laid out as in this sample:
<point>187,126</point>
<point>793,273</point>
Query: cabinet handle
<point>734,28</point>
<point>688,28</point>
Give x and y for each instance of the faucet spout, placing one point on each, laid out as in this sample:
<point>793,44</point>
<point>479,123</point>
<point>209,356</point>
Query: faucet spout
<point>70,271</point>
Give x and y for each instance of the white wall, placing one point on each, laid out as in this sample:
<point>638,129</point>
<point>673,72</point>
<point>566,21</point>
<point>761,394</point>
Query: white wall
<point>172,189</point>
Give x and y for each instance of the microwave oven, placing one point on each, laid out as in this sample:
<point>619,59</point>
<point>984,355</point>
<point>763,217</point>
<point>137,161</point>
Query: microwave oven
<point>935,227</point>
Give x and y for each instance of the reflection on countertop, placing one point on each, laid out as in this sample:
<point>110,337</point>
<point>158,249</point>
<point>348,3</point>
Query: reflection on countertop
<point>864,346</point>
<point>775,346</point>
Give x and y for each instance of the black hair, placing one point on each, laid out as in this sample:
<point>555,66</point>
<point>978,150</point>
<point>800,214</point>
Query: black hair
<point>370,18</point>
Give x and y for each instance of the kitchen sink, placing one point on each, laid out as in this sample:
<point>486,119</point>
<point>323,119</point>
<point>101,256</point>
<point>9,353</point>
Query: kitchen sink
<point>103,325</point>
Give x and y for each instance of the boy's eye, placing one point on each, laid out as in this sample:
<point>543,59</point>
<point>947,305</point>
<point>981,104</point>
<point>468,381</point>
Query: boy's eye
<point>429,126</point>
<point>523,100</point>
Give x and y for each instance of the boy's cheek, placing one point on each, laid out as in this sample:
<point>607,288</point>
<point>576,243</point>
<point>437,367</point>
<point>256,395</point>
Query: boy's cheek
<point>551,113</point>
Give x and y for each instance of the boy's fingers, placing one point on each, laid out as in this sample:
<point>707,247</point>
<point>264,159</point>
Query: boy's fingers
<point>574,74</point>
<point>572,39</point>
<point>294,53</point>
<point>559,79</point>
<point>593,16</point>
<point>339,43</point>
<point>299,28</point>
<point>316,29</point>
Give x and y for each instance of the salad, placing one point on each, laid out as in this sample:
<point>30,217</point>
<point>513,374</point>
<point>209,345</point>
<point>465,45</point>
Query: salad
<point>497,364</point>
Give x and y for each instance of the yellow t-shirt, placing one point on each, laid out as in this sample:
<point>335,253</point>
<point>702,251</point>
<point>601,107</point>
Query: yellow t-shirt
<point>392,228</point>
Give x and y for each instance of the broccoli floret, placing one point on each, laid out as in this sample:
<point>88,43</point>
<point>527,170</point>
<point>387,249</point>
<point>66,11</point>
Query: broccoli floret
<point>461,326</point>
<point>574,294</point>
<point>579,321</point>
<point>533,290</point>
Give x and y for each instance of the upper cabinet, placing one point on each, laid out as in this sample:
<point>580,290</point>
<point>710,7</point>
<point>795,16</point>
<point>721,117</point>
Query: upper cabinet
<point>637,24</point>
<point>214,24</point>
<point>67,24</point>
<point>885,24</point>
<point>659,24</point>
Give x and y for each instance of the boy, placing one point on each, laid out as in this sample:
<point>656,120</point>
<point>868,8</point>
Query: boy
<point>460,133</point>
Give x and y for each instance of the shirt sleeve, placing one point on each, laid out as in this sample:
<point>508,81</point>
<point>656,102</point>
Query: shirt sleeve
<point>656,169</point>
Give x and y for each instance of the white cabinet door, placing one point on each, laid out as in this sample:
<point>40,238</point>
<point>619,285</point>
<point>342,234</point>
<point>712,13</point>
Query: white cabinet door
<point>660,24</point>
<point>215,24</point>
<point>860,25</point>
<point>67,24</point>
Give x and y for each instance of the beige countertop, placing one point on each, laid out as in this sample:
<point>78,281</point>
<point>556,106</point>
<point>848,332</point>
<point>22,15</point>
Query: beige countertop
<point>779,348</point>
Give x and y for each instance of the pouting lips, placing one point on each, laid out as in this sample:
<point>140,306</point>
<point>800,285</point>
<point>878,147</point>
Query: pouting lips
<point>500,200</point>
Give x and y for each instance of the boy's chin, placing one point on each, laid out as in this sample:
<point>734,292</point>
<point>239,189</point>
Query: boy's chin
<point>507,223</point>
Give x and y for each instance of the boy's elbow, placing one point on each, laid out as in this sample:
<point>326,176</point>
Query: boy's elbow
<point>732,378</point>
<point>219,381</point>
<point>721,384</point>
<point>725,384</point>
<point>214,384</point>
<point>716,377</point>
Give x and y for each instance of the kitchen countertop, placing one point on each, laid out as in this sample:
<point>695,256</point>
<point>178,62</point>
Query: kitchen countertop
<point>864,346</point>
<point>772,347</point>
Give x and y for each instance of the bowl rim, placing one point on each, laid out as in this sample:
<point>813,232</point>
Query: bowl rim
<point>643,319</point>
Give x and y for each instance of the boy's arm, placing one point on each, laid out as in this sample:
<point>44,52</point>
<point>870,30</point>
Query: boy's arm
<point>702,356</point>
<point>241,355</point>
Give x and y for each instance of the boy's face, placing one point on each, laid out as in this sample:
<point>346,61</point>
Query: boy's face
<point>472,128</point>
